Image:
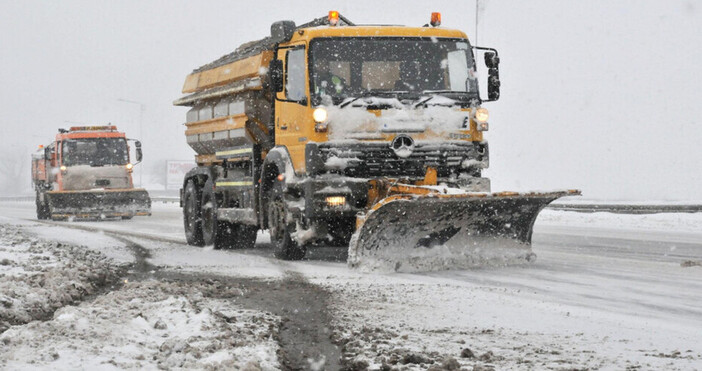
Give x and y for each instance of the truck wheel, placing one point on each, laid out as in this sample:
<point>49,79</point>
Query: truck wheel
<point>208,212</point>
<point>42,208</point>
<point>191,215</point>
<point>284,247</point>
<point>234,236</point>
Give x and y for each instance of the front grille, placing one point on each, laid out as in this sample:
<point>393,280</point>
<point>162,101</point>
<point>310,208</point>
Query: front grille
<point>378,159</point>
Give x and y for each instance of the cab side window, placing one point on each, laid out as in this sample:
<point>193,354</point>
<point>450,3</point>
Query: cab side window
<point>295,75</point>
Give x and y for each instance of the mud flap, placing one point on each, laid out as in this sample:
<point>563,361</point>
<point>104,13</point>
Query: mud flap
<point>409,233</point>
<point>99,203</point>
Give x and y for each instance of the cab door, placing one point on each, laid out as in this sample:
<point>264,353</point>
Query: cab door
<point>293,118</point>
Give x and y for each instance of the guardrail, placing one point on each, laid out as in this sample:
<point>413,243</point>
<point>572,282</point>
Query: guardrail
<point>627,208</point>
<point>31,199</point>
<point>581,208</point>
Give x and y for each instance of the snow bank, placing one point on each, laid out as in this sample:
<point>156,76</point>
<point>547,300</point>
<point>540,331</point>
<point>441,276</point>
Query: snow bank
<point>664,222</point>
<point>146,325</point>
<point>37,277</point>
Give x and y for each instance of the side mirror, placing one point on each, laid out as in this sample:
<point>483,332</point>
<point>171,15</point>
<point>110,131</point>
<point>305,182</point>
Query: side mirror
<point>493,84</point>
<point>139,154</point>
<point>282,31</point>
<point>276,75</point>
<point>492,60</point>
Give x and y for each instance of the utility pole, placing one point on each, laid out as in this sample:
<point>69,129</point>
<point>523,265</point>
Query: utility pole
<point>142,108</point>
<point>477,9</point>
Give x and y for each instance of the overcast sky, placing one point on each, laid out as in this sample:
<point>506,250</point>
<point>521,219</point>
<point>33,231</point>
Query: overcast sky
<point>597,95</point>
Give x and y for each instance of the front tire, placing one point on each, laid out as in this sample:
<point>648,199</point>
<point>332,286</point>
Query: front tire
<point>284,247</point>
<point>208,212</point>
<point>43,212</point>
<point>191,215</point>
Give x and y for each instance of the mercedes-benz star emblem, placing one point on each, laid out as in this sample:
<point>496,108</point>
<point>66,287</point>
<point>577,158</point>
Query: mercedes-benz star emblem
<point>402,145</point>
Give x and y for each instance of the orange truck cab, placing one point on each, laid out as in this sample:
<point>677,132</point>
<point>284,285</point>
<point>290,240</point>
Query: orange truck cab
<point>86,172</point>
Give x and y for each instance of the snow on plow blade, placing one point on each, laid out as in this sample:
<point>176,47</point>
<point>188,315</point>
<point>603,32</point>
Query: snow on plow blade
<point>410,233</point>
<point>99,203</point>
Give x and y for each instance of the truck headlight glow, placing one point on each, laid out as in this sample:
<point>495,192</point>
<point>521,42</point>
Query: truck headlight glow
<point>63,168</point>
<point>336,200</point>
<point>319,115</point>
<point>481,115</point>
<point>129,166</point>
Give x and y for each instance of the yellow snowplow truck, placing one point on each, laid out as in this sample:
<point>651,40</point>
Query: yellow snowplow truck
<point>370,137</point>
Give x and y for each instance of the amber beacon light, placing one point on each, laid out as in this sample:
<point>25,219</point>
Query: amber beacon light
<point>436,19</point>
<point>333,17</point>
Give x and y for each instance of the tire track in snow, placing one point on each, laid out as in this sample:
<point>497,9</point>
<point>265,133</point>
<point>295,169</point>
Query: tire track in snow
<point>306,331</point>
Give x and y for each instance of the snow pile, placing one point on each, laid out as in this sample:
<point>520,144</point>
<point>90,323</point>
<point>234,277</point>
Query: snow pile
<point>37,277</point>
<point>460,252</point>
<point>147,325</point>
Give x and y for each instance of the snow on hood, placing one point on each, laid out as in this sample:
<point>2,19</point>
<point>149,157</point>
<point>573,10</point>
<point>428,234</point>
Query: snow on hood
<point>83,177</point>
<point>358,123</point>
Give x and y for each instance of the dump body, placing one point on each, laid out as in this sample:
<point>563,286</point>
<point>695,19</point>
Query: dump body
<point>86,172</point>
<point>309,131</point>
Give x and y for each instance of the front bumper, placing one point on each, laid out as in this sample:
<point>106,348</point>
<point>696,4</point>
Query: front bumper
<point>314,192</point>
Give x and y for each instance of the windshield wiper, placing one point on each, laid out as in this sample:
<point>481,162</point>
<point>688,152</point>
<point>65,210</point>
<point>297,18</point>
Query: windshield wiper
<point>420,102</point>
<point>344,104</point>
<point>371,93</point>
<point>444,92</point>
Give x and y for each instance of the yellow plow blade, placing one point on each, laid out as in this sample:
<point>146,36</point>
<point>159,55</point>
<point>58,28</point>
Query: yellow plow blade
<point>410,233</point>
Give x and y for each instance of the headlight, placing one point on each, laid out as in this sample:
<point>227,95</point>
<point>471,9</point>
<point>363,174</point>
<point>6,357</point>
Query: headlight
<point>336,201</point>
<point>129,166</point>
<point>63,168</point>
<point>319,115</point>
<point>481,115</point>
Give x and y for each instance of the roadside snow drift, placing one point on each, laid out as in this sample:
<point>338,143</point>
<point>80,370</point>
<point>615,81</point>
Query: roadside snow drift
<point>152,325</point>
<point>37,277</point>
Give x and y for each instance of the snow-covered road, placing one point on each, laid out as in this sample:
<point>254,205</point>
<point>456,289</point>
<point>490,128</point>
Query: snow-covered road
<point>606,292</point>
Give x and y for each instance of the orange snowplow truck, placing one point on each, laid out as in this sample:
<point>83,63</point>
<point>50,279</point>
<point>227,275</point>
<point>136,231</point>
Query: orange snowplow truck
<point>86,173</point>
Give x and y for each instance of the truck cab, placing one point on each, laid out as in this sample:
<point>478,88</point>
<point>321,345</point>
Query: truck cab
<point>380,101</point>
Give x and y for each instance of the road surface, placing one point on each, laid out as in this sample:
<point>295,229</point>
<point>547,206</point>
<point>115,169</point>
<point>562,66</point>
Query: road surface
<point>606,292</point>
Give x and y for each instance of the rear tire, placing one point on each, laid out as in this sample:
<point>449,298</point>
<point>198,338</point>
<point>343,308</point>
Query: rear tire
<point>127,217</point>
<point>208,213</point>
<point>191,215</point>
<point>284,247</point>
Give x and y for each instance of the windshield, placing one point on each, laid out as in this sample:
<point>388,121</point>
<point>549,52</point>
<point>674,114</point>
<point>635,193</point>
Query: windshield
<point>95,151</point>
<point>342,68</point>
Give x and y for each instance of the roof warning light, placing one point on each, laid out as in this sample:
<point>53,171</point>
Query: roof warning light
<point>333,17</point>
<point>436,19</point>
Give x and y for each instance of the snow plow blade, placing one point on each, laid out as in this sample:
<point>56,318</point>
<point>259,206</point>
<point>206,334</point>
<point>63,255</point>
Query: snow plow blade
<point>99,203</point>
<point>414,233</point>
